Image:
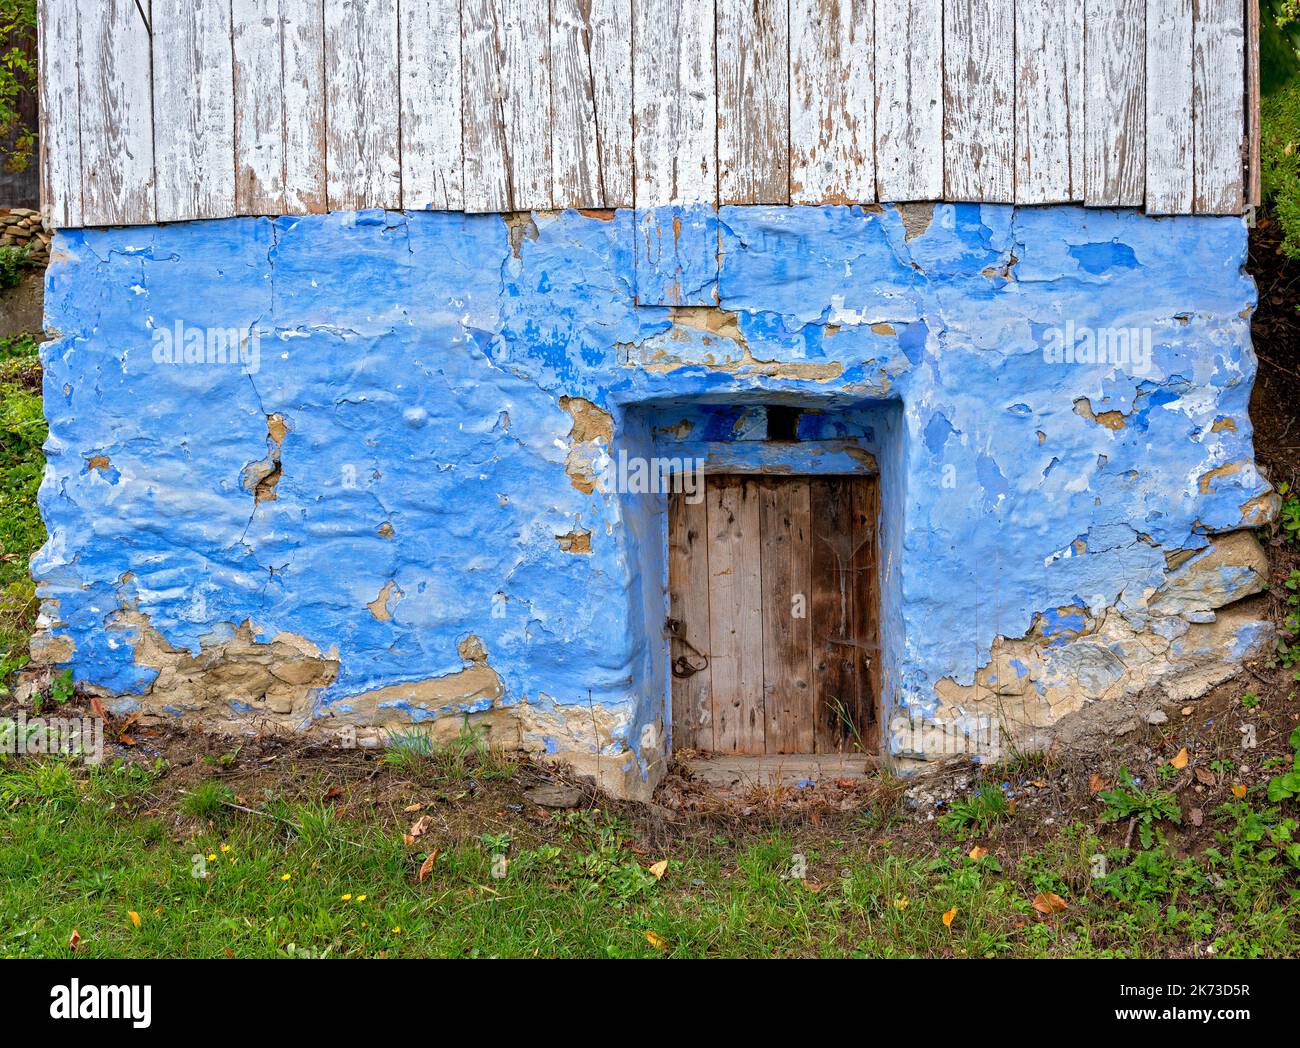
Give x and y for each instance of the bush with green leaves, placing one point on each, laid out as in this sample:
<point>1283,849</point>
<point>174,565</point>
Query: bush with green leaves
<point>1146,807</point>
<point>17,78</point>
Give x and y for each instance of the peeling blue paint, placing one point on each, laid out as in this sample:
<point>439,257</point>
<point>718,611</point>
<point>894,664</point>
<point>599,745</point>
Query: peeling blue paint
<point>418,363</point>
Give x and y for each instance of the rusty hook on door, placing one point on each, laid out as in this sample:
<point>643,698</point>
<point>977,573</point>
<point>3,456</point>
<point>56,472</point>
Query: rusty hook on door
<point>682,666</point>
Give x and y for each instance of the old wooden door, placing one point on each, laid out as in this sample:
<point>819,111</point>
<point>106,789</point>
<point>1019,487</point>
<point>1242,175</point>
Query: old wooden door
<point>774,579</point>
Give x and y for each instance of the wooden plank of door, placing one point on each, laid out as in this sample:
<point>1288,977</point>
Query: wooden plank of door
<point>735,615</point>
<point>832,102</point>
<point>979,119</point>
<point>753,55</point>
<point>865,497</point>
<point>688,591</point>
<point>117,177</point>
<point>833,661</point>
<point>909,100</point>
<point>1115,131</point>
<point>784,519</point>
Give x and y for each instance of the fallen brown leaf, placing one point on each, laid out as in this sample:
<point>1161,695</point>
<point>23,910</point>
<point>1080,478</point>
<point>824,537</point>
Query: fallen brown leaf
<point>1049,903</point>
<point>1179,760</point>
<point>1205,776</point>
<point>1096,783</point>
<point>426,867</point>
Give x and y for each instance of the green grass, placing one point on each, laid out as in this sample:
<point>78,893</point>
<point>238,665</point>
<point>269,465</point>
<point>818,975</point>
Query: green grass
<point>86,849</point>
<point>22,432</point>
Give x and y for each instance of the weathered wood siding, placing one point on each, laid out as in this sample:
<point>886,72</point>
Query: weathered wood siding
<point>164,110</point>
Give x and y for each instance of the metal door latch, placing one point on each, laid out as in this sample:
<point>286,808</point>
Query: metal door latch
<point>682,665</point>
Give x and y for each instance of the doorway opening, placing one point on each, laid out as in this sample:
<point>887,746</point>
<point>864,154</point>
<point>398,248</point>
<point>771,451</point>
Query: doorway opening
<point>774,617</point>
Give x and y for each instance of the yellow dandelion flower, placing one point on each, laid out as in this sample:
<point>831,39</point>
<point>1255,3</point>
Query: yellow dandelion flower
<point>397,930</point>
<point>286,876</point>
<point>212,857</point>
<point>347,897</point>
<point>361,898</point>
<point>225,848</point>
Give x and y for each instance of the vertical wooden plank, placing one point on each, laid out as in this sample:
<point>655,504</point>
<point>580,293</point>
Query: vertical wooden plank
<point>193,110</point>
<point>979,120</point>
<point>735,615</point>
<point>1254,176</point>
<point>1042,101</point>
<point>1218,91</point>
<point>753,101</point>
<point>591,103</point>
<point>864,494</point>
<point>258,107</point>
<point>1076,91</point>
<point>506,101</point>
<point>1169,106</point>
<point>362,164</point>
<point>832,101</point>
<point>60,113</point>
<point>833,656</point>
<point>688,590</point>
<point>674,145</point>
<point>117,173</point>
<point>784,522</point>
<point>303,85</point>
<point>487,185</point>
<point>909,99</point>
<point>1115,138</point>
<point>430,85</point>
<point>675,100</point>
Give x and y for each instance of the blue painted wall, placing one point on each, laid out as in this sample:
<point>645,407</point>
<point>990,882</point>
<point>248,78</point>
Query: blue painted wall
<point>418,363</point>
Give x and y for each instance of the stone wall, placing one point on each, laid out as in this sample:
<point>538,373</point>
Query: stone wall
<point>350,473</point>
<point>20,227</point>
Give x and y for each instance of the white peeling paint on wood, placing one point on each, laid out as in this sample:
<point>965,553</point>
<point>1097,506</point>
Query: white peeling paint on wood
<point>432,174</point>
<point>117,172</point>
<point>591,103</point>
<point>507,105</point>
<point>832,101</point>
<point>1169,48</point>
<point>753,56</point>
<point>262,106</point>
<point>362,163</point>
<point>193,110</point>
<point>259,107</point>
<point>674,91</point>
<point>60,111</point>
<point>1218,107</point>
<point>1115,138</point>
<point>909,93</point>
<point>1042,101</point>
<point>303,79</point>
<point>979,120</point>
